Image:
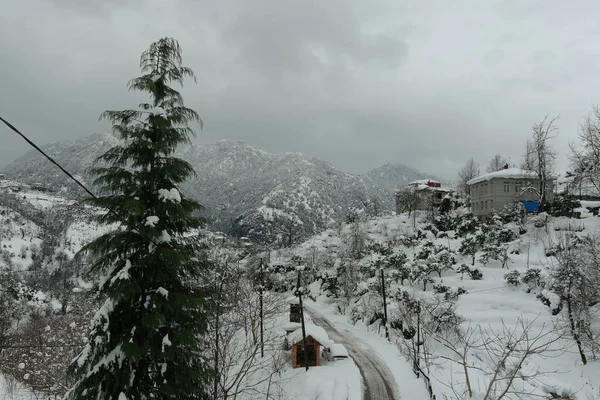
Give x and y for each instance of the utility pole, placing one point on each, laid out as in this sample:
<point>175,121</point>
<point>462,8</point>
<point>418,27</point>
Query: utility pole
<point>217,327</point>
<point>262,326</point>
<point>299,294</point>
<point>385,316</point>
<point>418,332</point>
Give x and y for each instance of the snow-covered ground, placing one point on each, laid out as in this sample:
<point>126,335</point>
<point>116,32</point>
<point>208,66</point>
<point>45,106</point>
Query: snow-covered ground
<point>11,389</point>
<point>337,380</point>
<point>490,305</point>
<point>407,384</point>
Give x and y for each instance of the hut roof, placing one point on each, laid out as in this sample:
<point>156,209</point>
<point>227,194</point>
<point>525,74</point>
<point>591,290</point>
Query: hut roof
<point>315,331</point>
<point>293,300</point>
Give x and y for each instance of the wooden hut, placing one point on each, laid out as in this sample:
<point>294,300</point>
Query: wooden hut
<point>315,338</point>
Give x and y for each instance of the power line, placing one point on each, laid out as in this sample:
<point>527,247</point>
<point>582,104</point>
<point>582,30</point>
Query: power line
<point>38,346</point>
<point>53,161</point>
<point>35,146</point>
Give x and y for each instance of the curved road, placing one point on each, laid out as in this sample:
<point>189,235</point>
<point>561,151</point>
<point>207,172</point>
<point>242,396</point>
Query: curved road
<point>377,378</point>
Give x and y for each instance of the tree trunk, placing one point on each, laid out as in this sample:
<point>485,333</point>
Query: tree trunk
<point>574,331</point>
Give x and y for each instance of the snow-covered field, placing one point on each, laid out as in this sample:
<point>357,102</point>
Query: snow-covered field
<point>490,307</point>
<point>11,389</point>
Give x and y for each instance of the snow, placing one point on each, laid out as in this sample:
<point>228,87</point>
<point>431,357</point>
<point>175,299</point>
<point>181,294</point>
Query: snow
<point>291,326</point>
<point>169,195</point>
<point>164,237</point>
<point>338,350</point>
<point>163,292</point>
<point>589,204</point>
<point>510,173</point>
<point>408,385</point>
<point>340,380</point>
<point>489,303</point>
<point>152,220</point>
<point>293,300</point>
<point>166,342</point>
<point>123,274</point>
<point>317,333</point>
<point>422,182</point>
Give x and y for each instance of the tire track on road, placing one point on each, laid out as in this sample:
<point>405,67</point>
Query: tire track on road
<point>377,378</point>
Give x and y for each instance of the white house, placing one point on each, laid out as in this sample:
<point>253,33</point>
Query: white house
<point>497,189</point>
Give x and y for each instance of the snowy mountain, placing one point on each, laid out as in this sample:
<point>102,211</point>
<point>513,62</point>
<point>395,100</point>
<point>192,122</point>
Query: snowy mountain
<point>389,176</point>
<point>245,191</point>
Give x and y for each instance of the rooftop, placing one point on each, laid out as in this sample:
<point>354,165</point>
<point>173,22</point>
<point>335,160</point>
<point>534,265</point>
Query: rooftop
<point>509,173</point>
<point>423,181</point>
<point>315,331</point>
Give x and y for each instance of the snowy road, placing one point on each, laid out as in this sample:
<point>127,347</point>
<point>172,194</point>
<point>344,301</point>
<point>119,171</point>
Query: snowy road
<point>378,379</point>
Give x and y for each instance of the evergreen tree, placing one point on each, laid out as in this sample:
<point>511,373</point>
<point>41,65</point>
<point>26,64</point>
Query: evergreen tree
<point>146,339</point>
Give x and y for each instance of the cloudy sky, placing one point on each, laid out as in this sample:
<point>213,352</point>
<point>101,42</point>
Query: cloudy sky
<point>357,83</point>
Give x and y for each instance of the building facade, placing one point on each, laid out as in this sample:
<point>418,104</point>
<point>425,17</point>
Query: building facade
<point>428,194</point>
<point>498,189</point>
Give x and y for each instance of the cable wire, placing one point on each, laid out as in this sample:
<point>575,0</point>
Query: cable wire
<point>35,146</point>
<point>53,161</point>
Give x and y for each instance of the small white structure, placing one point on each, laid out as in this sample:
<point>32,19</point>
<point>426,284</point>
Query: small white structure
<point>337,351</point>
<point>291,327</point>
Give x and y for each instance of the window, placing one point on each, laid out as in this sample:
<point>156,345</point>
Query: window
<point>518,187</point>
<point>491,187</point>
<point>491,204</point>
<point>486,204</point>
<point>506,187</point>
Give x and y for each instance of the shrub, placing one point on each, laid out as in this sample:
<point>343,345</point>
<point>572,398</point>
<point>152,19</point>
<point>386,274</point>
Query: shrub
<point>513,278</point>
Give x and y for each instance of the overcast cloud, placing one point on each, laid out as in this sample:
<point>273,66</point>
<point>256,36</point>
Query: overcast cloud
<point>356,83</point>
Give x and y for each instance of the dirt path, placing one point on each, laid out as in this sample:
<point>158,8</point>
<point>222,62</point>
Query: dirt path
<point>377,378</point>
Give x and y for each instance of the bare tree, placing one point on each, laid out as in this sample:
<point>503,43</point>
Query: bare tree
<point>469,171</point>
<point>585,155</point>
<point>237,343</point>
<point>528,161</point>
<point>496,163</point>
<point>540,156</point>
<point>501,358</point>
<point>574,283</point>
<point>407,199</point>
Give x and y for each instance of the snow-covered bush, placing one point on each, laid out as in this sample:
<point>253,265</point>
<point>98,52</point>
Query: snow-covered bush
<point>513,278</point>
<point>474,273</point>
<point>532,278</point>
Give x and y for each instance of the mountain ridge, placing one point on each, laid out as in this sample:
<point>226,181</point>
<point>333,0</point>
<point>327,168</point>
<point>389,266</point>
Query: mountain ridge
<point>245,190</point>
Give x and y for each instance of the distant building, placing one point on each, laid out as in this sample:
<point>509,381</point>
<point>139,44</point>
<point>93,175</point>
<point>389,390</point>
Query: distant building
<point>582,188</point>
<point>508,186</point>
<point>429,194</point>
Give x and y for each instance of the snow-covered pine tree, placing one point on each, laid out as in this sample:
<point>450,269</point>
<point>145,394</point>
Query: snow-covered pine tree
<point>146,339</point>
